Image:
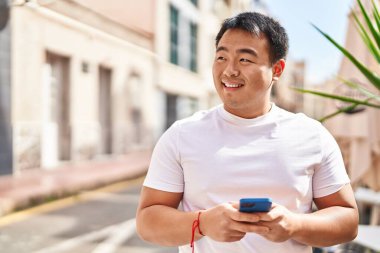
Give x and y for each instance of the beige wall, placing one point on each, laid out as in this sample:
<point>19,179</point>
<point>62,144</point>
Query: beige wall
<point>138,15</point>
<point>315,106</point>
<point>293,76</point>
<point>37,30</point>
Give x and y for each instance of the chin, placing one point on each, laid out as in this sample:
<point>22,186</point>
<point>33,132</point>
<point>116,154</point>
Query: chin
<point>232,104</point>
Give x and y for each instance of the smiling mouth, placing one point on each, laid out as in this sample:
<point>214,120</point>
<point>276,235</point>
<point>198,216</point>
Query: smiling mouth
<point>232,85</point>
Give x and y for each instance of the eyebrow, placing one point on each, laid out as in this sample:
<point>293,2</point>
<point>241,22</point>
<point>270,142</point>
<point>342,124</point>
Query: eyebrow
<point>247,51</point>
<point>241,50</point>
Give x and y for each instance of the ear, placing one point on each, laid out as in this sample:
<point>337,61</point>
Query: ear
<point>278,69</point>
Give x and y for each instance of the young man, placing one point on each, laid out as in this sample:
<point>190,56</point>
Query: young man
<point>248,147</point>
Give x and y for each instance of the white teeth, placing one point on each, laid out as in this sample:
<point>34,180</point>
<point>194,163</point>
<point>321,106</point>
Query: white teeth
<point>230,85</point>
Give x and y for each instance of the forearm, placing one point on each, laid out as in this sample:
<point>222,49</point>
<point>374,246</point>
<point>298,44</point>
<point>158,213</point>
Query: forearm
<point>165,225</point>
<point>326,227</point>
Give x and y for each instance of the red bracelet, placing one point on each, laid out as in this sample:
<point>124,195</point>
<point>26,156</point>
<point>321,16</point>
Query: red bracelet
<point>196,224</point>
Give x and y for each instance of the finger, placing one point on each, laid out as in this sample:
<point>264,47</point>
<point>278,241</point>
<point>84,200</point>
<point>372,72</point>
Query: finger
<point>236,233</point>
<point>272,215</point>
<point>245,217</point>
<point>267,216</point>
<point>259,229</point>
<point>250,227</point>
<point>234,204</point>
<point>235,238</point>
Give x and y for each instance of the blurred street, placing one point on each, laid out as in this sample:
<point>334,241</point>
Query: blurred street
<point>95,221</point>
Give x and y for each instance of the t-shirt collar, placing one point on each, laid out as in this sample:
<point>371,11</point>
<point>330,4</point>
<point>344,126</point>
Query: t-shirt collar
<point>236,120</point>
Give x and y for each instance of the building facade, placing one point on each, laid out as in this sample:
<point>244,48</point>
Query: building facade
<point>77,74</point>
<point>91,79</point>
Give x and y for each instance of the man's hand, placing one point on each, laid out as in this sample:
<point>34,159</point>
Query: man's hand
<point>226,224</point>
<point>281,222</point>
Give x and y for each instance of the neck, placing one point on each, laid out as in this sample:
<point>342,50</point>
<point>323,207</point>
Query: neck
<point>250,114</point>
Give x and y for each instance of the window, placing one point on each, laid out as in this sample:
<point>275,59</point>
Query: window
<point>193,47</point>
<point>179,107</point>
<point>173,35</point>
<point>195,2</point>
<point>171,109</point>
<point>183,40</point>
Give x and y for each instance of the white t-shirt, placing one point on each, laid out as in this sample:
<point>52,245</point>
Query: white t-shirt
<point>215,157</point>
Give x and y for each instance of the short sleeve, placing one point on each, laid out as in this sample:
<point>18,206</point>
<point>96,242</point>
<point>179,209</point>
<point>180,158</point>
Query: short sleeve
<point>330,176</point>
<point>165,172</point>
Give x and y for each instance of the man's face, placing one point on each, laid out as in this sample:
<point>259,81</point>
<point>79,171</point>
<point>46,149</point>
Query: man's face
<point>242,73</point>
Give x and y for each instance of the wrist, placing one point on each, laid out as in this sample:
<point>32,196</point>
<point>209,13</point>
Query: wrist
<point>297,225</point>
<point>200,217</point>
<point>196,232</point>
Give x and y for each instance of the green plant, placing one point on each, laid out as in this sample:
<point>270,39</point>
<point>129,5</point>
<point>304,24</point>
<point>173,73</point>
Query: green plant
<point>369,31</point>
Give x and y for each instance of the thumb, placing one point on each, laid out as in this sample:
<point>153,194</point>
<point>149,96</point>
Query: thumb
<point>234,204</point>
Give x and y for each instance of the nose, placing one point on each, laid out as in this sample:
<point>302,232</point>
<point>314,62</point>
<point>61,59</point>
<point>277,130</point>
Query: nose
<point>231,70</point>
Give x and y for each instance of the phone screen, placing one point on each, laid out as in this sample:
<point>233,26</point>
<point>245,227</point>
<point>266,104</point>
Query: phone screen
<point>249,205</point>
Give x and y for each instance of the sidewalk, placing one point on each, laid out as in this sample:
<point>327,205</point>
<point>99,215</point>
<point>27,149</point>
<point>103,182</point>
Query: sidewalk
<point>33,187</point>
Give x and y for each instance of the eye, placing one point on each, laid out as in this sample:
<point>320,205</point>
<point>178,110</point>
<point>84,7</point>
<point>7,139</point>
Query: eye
<point>245,60</point>
<point>220,58</point>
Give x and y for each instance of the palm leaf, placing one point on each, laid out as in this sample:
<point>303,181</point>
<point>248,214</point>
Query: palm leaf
<point>337,97</point>
<point>371,76</point>
<point>367,39</point>
<point>362,90</point>
<point>370,34</point>
<point>376,15</point>
<point>339,111</point>
<point>374,32</point>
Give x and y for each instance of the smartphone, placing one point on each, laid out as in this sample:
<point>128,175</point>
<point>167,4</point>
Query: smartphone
<point>250,205</point>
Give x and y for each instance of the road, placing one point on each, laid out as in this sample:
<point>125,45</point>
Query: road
<point>101,221</point>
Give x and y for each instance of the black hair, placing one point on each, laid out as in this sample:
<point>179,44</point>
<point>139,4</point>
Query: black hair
<point>257,24</point>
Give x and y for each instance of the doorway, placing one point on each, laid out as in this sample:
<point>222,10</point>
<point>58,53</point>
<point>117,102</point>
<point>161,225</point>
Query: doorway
<point>56,136</point>
<point>105,109</point>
